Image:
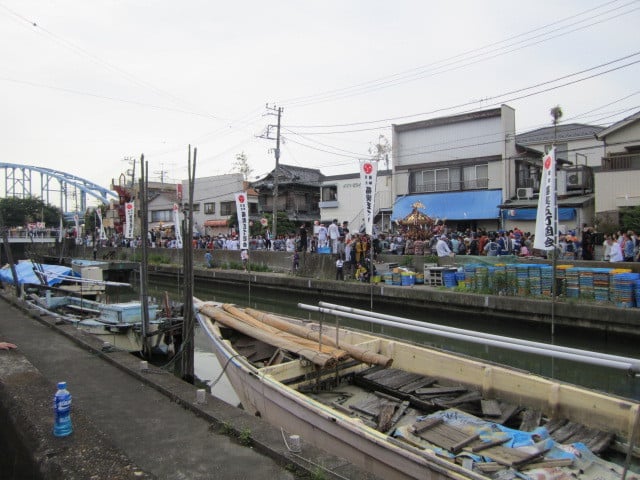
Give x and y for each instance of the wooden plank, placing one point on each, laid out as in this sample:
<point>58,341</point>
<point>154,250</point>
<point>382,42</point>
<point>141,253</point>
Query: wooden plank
<point>562,434</point>
<point>554,424</point>
<point>418,383</point>
<point>463,443</point>
<point>601,442</point>
<point>384,418</point>
<point>490,408</point>
<point>551,463</point>
<point>530,420</point>
<point>396,416</point>
<point>426,424</point>
<point>472,396</point>
<point>492,443</point>
<point>445,436</point>
<point>508,411</point>
<point>436,391</point>
<point>489,467</point>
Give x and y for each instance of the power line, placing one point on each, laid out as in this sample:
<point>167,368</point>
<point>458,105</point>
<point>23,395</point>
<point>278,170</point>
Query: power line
<point>407,76</point>
<point>466,104</point>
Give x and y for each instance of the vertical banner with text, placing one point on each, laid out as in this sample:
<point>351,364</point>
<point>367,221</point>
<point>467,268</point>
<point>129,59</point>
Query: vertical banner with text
<point>177,222</point>
<point>546,221</point>
<point>129,210</point>
<point>102,235</point>
<point>242,209</point>
<point>368,178</point>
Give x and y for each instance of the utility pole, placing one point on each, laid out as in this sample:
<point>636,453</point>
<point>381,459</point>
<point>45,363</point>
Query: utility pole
<point>274,111</point>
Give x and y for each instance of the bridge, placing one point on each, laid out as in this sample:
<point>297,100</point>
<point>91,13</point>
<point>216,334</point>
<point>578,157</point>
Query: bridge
<point>24,181</point>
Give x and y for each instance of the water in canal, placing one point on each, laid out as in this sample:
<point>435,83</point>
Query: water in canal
<point>609,380</point>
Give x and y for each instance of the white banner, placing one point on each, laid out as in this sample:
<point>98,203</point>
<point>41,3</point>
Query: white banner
<point>102,234</point>
<point>129,210</point>
<point>368,178</point>
<point>546,219</point>
<point>76,219</point>
<point>242,209</point>
<point>178,225</point>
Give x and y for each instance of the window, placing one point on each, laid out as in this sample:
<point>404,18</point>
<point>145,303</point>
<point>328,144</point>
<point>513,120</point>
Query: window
<point>253,209</point>
<point>210,208</point>
<point>227,208</point>
<point>475,176</point>
<point>329,193</point>
<point>195,207</point>
<point>162,215</point>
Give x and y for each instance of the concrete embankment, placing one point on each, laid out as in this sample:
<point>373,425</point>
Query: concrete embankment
<point>128,423</point>
<point>572,314</point>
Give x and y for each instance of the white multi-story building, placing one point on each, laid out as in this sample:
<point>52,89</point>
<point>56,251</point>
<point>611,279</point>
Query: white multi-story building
<point>341,198</point>
<point>459,167</point>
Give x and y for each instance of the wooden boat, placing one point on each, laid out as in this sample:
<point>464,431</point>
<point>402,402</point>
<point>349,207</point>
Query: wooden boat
<point>118,324</point>
<point>403,411</point>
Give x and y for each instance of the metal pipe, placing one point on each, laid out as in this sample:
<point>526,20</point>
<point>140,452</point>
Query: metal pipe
<point>584,358</point>
<point>604,356</point>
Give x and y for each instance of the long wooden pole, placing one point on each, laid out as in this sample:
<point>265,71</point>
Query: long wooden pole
<point>188,370</point>
<point>144,274</point>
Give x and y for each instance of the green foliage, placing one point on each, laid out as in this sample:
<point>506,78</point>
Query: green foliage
<point>319,474</point>
<point>17,212</point>
<point>159,258</point>
<point>245,437</point>
<point>241,165</point>
<point>630,219</point>
<point>226,428</point>
<point>285,226</point>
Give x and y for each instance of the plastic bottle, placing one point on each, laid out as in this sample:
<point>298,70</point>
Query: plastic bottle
<point>62,411</point>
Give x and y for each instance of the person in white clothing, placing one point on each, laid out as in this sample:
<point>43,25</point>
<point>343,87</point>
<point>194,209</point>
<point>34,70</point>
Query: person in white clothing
<point>322,235</point>
<point>334,234</point>
<point>615,254</point>
<point>442,247</point>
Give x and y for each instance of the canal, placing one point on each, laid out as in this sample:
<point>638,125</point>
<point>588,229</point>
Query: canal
<point>609,380</point>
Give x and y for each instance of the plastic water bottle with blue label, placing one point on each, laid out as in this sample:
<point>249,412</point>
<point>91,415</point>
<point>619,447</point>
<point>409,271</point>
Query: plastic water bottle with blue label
<point>62,411</point>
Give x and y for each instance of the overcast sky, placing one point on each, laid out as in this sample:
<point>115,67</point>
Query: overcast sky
<point>87,84</point>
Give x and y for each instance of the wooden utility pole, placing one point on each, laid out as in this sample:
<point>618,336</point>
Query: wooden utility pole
<point>144,273</point>
<point>188,325</point>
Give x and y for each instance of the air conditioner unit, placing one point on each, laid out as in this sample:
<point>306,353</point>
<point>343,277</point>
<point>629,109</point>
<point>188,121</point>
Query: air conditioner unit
<point>575,179</point>
<point>524,193</point>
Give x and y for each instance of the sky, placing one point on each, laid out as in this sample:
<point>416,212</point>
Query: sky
<point>88,86</point>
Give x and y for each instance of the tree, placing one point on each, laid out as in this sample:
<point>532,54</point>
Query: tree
<point>18,212</point>
<point>241,165</point>
<point>630,219</point>
<point>381,150</point>
<point>556,115</point>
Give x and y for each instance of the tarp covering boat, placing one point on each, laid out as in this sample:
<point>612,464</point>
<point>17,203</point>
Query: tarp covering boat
<point>26,272</point>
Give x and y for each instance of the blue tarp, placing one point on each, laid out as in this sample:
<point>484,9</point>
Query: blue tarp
<point>475,205</point>
<point>564,214</point>
<point>25,273</point>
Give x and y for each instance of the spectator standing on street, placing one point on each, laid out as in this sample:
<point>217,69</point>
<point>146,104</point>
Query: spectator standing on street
<point>339,266</point>
<point>442,247</point>
<point>334,234</point>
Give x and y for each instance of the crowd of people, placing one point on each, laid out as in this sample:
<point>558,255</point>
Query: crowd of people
<point>354,247</point>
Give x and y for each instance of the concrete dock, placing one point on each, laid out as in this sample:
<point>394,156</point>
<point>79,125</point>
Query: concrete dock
<point>128,423</point>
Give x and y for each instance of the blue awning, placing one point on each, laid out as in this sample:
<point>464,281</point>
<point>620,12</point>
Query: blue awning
<point>475,205</point>
<point>564,214</point>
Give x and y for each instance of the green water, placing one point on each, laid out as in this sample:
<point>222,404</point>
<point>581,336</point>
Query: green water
<point>604,379</point>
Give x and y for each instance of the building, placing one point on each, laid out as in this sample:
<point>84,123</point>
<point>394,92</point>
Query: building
<point>341,198</point>
<point>214,204</point>
<point>298,192</point>
<point>578,152</point>
<point>460,167</point>
<point>617,180</point>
